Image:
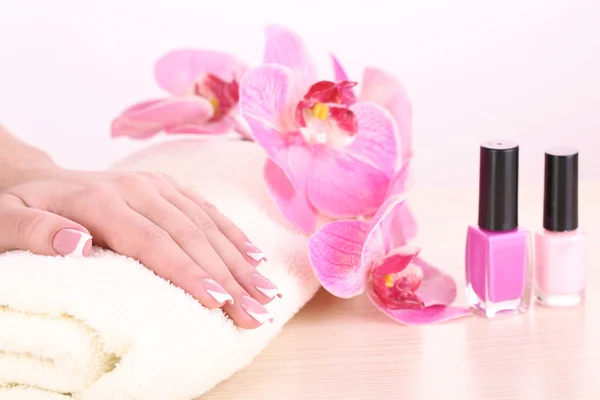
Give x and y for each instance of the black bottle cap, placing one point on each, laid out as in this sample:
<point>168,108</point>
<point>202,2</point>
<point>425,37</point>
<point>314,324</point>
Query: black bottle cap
<point>561,189</point>
<point>498,185</point>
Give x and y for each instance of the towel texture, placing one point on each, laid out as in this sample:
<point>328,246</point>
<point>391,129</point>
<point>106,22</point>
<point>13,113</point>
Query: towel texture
<point>105,327</point>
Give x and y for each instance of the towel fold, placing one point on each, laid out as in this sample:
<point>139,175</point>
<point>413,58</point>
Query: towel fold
<point>105,327</point>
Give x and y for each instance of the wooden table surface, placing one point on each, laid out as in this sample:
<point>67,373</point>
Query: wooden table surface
<point>346,349</point>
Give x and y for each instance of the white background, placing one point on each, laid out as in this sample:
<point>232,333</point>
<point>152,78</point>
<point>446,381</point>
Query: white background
<point>527,70</point>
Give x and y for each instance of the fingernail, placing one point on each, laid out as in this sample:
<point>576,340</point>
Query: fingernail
<point>265,286</point>
<point>254,309</point>
<point>217,292</point>
<point>70,242</point>
<point>254,252</point>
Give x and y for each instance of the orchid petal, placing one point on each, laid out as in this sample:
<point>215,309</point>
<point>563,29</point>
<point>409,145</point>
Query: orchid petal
<point>334,253</point>
<point>388,231</point>
<point>401,226</point>
<point>394,216</point>
<point>384,89</point>
<point>377,138</point>
<point>148,118</point>
<point>284,47</point>
<point>428,315</point>
<point>343,186</point>
<point>400,184</point>
<point>264,105</point>
<point>338,71</point>
<point>291,202</point>
<point>177,71</point>
<point>354,180</point>
<point>396,260</point>
<point>340,75</point>
<point>437,287</point>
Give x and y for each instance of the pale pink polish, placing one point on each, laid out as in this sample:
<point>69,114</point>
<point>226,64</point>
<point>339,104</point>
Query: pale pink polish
<point>254,309</point>
<point>497,267</point>
<point>560,248</point>
<point>254,253</point>
<point>265,286</point>
<point>70,242</point>
<point>217,291</point>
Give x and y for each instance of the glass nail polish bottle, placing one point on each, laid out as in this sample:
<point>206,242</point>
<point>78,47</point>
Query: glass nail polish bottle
<point>560,248</point>
<point>498,273</point>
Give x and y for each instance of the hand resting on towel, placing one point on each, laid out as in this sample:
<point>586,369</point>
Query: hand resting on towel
<point>147,216</point>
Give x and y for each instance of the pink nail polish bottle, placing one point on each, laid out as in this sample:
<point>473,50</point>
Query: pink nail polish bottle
<point>498,270</point>
<point>560,253</point>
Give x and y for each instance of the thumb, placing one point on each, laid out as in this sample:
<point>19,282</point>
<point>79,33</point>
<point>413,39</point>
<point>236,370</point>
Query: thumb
<point>41,232</point>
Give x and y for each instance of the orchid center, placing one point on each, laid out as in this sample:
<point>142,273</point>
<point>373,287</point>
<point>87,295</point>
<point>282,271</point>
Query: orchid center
<point>320,111</point>
<point>215,103</point>
<point>397,290</point>
<point>324,117</point>
<point>222,95</point>
<point>409,278</point>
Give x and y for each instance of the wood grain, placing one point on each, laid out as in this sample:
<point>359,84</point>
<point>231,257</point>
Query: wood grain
<point>346,349</point>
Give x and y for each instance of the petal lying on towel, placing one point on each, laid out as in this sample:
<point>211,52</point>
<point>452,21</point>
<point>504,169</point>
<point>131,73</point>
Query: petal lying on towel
<point>148,118</point>
<point>335,253</point>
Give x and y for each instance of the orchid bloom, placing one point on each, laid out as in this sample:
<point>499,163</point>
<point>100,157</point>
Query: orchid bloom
<point>329,155</point>
<point>204,97</point>
<point>353,256</point>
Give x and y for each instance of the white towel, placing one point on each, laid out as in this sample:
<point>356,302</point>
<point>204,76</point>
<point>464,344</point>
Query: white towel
<point>106,328</point>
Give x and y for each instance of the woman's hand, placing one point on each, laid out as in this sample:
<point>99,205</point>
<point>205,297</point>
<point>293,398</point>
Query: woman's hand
<point>149,217</point>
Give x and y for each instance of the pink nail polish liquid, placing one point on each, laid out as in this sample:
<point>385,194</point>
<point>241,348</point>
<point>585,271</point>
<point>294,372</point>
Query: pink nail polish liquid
<point>560,248</point>
<point>497,265</point>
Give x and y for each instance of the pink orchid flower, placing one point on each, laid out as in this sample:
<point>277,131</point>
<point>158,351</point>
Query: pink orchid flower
<point>353,256</point>
<point>204,97</point>
<point>330,155</point>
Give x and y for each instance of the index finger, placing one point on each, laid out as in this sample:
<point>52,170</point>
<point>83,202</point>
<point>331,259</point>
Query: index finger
<point>229,229</point>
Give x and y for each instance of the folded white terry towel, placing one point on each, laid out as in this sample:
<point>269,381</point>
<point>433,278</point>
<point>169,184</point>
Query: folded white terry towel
<point>106,328</point>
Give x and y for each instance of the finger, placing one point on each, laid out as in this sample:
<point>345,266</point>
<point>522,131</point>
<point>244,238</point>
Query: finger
<point>246,274</point>
<point>235,235</point>
<point>130,234</point>
<point>41,232</point>
<point>199,244</point>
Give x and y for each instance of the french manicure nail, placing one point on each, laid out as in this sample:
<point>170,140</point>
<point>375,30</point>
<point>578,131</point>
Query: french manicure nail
<point>254,309</point>
<point>217,291</point>
<point>265,286</point>
<point>254,252</point>
<point>70,242</point>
